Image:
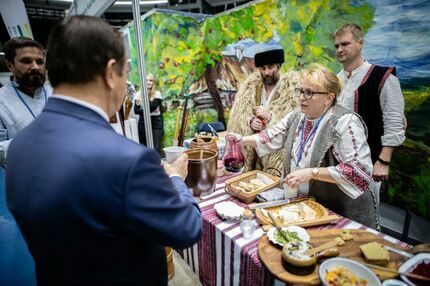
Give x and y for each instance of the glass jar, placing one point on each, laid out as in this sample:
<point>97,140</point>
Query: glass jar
<point>233,157</point>
<point>247,225</point>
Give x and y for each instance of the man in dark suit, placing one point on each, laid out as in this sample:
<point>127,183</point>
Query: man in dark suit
<point>94,207</point>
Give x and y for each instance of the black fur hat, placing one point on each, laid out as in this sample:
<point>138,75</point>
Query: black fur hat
<point>269,58</point>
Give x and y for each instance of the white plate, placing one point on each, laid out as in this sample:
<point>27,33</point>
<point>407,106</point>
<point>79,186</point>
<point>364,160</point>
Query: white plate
<point>301,232</point>
<point>393,282</point>
<point>358,269</point>
<point>229,210</point>
<point>409,265</point>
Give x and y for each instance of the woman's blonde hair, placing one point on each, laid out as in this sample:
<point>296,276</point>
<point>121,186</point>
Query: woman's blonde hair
<point>322,76</point>
<point>151,92</point>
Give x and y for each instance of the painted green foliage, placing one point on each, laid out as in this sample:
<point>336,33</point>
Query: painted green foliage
<point>178,48</point>
<point>409,182</point>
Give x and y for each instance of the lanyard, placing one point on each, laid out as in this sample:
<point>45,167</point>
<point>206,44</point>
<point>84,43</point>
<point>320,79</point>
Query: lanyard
<point>302,141</point>
<point>22,99</point>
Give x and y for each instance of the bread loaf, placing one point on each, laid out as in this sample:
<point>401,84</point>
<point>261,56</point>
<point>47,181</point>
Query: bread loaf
<point>375,253</point>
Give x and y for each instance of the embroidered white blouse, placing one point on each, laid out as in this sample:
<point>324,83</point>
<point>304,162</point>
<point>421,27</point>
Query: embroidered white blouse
<point>352,174</point>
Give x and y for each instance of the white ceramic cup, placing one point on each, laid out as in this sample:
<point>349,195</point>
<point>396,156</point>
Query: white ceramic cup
<point>173,152</point>
<point>290,192</point>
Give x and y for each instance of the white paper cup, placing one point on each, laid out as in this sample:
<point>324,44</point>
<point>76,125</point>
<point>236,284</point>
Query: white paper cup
<point>173,152</point>
<point>290,192</point>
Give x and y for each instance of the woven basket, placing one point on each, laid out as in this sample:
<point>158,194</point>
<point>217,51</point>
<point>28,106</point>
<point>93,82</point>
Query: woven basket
<point>248,197</point>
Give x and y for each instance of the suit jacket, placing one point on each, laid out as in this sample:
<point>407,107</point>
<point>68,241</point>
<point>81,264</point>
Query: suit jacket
<point>94,207</point>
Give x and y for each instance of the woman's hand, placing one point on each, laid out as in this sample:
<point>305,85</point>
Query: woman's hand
<point>298,177</point>
<point>246,140</point>
<point>138,101</point>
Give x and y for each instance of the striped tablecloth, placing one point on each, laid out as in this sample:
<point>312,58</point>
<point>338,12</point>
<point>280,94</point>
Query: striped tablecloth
<point>224,257</point>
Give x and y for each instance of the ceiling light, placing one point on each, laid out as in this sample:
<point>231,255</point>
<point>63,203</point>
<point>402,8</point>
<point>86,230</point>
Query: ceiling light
<point>146,2</point>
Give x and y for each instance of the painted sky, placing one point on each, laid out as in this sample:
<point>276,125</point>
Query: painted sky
<point>400,36</point>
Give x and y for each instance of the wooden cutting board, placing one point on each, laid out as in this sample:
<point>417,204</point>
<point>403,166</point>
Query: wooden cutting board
<point>270,255</point>
<point>322,215</point>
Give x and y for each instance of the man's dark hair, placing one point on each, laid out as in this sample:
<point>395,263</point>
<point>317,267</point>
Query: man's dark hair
<point>79,48</point>
<point>13,44</point>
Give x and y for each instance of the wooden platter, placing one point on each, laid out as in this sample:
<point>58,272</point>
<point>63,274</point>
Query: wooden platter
<point>322,215</point>
<point>270,255</point>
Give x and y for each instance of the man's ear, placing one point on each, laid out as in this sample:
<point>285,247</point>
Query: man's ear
<point>361,42</point>
<point>10,66</point>
<point>110,73</point>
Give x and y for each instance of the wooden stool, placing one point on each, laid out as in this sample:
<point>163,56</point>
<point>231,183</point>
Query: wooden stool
<point>170,265</point>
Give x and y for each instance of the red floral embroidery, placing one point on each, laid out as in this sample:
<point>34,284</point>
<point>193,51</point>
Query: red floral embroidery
<point>308,129</point>
<point>308,125</point>
<point>354,141</point>
<point>264,137</point>
<point>355,174</point>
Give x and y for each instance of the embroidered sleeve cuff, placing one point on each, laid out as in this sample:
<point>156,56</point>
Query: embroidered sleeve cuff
<point>264,137</point>
<point>351,178</point>
<point>261,148</point>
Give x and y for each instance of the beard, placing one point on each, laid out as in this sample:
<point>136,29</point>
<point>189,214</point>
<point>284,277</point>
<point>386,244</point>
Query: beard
<point>270,80</point>
<point>33,79</point>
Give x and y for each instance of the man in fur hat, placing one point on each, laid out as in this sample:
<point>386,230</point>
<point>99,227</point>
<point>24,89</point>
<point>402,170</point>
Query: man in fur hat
<point>263,100</point>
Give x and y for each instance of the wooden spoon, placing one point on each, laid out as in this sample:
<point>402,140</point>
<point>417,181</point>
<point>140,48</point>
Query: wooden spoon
<point>330,244</point>
<point>423,247</point>
<point>411,275</point>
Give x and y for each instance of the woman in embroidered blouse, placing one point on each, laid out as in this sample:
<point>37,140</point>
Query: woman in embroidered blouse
<point>327,155</point>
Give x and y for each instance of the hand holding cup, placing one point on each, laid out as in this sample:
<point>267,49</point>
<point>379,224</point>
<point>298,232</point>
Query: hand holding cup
<point>178,166</point>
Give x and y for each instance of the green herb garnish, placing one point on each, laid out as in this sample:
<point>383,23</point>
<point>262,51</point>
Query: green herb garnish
<point>286,236</point>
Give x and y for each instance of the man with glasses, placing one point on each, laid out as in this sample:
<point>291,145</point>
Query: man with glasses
<point>22,99</point>
<point>262,100</point>
<point>373,92</point>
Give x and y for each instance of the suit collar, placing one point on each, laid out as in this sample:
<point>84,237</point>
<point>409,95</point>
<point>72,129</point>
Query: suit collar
<point>73,109</point>
<point>85,104</point>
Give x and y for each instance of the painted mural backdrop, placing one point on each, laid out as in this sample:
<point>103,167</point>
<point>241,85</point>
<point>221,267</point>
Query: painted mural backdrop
<point>205,58</point>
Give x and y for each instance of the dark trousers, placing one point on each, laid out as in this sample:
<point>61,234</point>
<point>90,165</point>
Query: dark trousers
<point>157,131</point>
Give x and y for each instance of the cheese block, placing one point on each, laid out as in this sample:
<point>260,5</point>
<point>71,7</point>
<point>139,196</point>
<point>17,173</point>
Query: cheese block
<point>375,253</point>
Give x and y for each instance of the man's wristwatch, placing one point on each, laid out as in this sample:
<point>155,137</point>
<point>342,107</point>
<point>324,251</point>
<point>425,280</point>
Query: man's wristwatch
<point>315,172</point>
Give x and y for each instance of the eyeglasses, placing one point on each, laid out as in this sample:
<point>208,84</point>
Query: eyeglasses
<point>307,94</point>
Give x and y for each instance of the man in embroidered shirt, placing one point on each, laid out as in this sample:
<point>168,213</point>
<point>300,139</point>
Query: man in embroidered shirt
<point>22,99</point>
<point>373,92</point>
<point>262,100</point>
